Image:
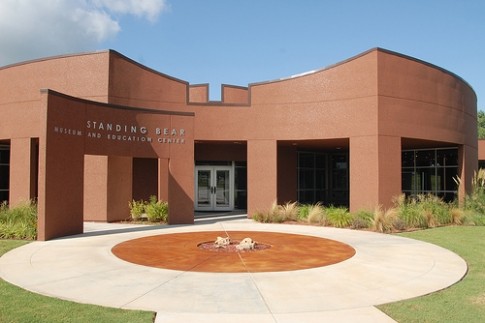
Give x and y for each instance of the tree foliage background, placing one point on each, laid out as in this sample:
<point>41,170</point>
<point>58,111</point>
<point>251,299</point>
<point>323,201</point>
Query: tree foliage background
<point>481,124</point>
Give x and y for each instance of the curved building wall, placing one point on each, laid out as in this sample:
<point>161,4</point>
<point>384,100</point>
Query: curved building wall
<point>135,85</point>
<point>365,110</point>
<point>417,100</point>
<point>427,106</point>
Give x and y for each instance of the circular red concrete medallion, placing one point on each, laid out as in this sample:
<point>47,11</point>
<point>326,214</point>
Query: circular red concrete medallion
<point>282,252</point>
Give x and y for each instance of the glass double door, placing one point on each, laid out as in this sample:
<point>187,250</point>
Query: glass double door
<point>214,188</point>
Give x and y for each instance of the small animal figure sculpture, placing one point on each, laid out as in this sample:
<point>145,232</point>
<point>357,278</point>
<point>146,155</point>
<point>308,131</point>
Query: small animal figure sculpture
<point>222,242</point>
<point>246,244</point>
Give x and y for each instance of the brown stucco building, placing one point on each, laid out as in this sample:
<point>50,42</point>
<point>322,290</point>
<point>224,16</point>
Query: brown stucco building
<point>84,134</point>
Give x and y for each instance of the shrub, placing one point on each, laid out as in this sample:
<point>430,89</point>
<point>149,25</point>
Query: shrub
<point>157,211</point>
<point>338,217</point>
<point>19,222</point>
<point>137,208</point>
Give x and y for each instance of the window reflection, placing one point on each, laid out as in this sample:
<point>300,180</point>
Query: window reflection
<point>323,177</point>
<point>430,171</point>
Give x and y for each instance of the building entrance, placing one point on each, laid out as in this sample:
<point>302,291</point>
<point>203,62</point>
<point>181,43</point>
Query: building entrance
<point>214,188</point>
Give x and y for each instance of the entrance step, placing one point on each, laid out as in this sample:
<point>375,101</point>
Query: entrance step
<point>212,217</point>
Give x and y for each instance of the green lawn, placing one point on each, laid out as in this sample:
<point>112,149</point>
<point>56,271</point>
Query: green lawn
<point>18,305</point>
<point>462,302</point>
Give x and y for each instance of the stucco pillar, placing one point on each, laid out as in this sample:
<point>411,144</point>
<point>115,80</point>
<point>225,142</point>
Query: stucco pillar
<point>467,161</point>
<point>22,170</point>
<point>262,175</point>
<point>180,185</point>
<point>163,178</point>
<point>61,170</point>
<point>119,187</point>
<point>375,171</point>
<point>95,183</point>
<point>107,188</point>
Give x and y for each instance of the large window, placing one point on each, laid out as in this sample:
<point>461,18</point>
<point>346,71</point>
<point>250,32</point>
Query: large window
<point>323,177</point>
<point>430,171</point>
<point>4,172</point>
<point>240,185</point>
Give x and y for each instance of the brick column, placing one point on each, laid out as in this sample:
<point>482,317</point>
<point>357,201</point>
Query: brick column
<point>262,175</point>
<point>163,176</point>
<point>22,170</point>
<point>375,171</point>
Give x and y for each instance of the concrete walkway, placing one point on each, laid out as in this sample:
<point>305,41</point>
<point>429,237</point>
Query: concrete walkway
<point>385,269</point>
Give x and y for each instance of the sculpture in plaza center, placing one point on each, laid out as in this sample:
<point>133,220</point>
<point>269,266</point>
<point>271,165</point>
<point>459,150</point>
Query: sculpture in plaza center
<point>246,244</point>
<point>222,242</point>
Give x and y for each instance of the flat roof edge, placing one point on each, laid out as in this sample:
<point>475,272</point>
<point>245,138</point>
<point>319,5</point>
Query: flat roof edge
<point>417,60</point>
<point>374,49</point>
<point>47,58</point>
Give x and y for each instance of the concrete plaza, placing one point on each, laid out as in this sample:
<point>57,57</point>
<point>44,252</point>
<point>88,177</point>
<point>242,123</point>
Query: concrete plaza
<point>385,269</point>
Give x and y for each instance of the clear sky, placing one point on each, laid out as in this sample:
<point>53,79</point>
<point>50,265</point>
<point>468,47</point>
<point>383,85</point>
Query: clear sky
<point>241,42</point>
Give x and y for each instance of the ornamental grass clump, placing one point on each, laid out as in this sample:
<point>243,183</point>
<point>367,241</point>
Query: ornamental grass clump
<point>424,211</point>
<point>19,222</point>
<point>288,212</point>
<point>261,216</point>
<point>437,212</point>
<point>410,212</point>
<point>303,210</point>
<point>419,212</point>
<point>338,217</point>
<point>274,214</point>
<point>269,216</point>
<point>278,213</point>
<point>316,214</point>
<point>385,221</point>
<point>474,203</point>
<point>362,219</point>
<point>457,216</point>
